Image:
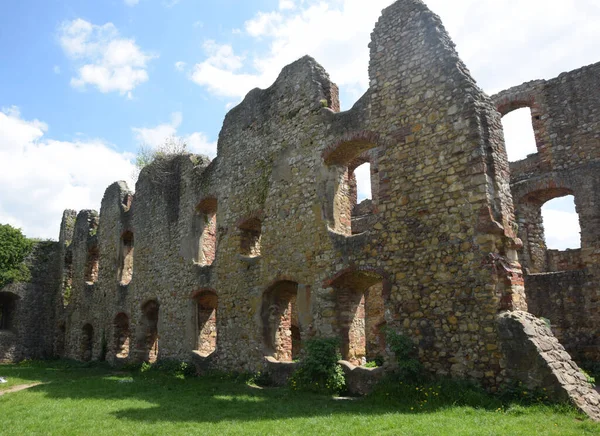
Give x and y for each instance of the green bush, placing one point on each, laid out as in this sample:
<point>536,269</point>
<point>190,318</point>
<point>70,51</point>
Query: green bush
<point>405,352</point>
<point>319,370</point>
<point>14,247</point>
<point>591,369</point>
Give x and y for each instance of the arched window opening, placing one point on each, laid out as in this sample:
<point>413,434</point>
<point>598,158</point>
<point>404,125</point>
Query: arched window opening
<point>279,316</point>
<point>149,332</point>
<point>8,305</point>
<point>67,288</point>
<point>204,229</point>
<point>91,265</point>
<point>122,335</point>
<point>360,307</point>
<point>561,224</point>
<point>87,342</point>
<point>351,187</point>
<point>519,136</point>
<point>125,272</point>
<point>250,232</point>
<point>361,196</point>
<point>550,231</point>
<point>205,303</point>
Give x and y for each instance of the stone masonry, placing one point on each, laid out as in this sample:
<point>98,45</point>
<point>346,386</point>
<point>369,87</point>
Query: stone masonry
<point>562,286</point>
<point>234,263</point>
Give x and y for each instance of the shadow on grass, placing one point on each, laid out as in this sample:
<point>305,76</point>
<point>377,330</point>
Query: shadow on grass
<point>211,400</point>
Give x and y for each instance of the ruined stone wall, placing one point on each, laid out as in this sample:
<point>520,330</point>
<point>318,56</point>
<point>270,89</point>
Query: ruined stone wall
<point>235,263</point>
<point>30,331</point>
<point>566,120</point>
<point>276,207</point>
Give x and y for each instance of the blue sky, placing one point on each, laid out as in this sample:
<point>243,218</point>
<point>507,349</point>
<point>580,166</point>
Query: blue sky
<point>83,83</point>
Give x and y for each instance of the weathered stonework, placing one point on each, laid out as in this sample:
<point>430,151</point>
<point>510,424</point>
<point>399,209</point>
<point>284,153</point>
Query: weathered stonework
<point>235,263</point>
<point>27,321</point>
<point>563,286</point>
<point>536,359</point>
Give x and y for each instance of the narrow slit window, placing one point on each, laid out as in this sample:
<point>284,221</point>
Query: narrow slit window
<point>126,258</point>
<point>91,265</point>
<point>204,232</point>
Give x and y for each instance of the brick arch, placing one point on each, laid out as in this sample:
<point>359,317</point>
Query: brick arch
<point>530,196</point>
<point>340,206</point>
<point>350,146</point>
<point>363,270</point>
<point>527,95</point>
<point>543,189</point>
<point>516,101</point>
<point>518,97</point>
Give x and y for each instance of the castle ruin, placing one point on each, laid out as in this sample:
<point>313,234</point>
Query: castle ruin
<point>235,262</point>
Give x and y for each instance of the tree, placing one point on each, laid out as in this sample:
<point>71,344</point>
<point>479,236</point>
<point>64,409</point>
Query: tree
<point>14,248</point>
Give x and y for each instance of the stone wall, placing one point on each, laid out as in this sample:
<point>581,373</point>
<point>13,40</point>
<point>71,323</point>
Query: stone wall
<point>270,226</point>
<point>27,330</point>
<point>561,298</point>
<point>566,120</point>
<point>235,263</point>
<point>536,359</point>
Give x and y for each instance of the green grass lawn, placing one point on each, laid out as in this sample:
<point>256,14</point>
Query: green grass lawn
<point>97,401</point>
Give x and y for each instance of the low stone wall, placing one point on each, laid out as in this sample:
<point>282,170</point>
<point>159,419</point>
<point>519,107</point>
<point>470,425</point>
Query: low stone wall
<point>536,358</point>
<point>361,380</point>
<point>566,260</point>
<point>560,297</point>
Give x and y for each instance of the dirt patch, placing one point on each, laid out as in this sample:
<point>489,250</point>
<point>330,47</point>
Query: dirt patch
<point>18,388</point>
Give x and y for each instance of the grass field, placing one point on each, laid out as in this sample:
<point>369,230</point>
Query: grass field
<point>98,400</point>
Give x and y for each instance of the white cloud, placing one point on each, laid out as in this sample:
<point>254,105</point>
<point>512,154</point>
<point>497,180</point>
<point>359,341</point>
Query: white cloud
<point>40,177</point>
<point>263,23</point>
<point>103,58</point>
<point>218,72</point>
<point>154,137</point>
<point>131,2</point>
<point>180,66</point>
<point>286,4</point>
<point>336,34</point>
<point>503,43</point>
<point>56,69</point>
